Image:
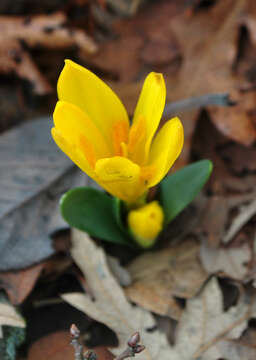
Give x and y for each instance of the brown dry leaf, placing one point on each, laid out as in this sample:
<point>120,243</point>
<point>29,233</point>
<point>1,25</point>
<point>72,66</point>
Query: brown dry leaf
<point>207,67</point>
<point>246,212</point>
<point>214,219</point>
<point>145,39</point>
<point>202,329</point>
<point>10,317</point>
<point>110,305</point>
<point>239,159</point>
<point>208,58</point>
<point>57,346</point>
<point>159,276</point>
<point>18,284</point>
<point>232,261</point>
<point>43,30</point>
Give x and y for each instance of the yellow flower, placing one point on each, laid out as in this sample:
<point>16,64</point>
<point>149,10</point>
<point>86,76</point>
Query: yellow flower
<point>93,129</point>
<point>145,223</point>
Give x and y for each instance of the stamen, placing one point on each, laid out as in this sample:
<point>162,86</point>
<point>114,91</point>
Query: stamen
<point>88,151</point>
<point>124,150</point>
<point>120,135</point>
<point>137,136</point>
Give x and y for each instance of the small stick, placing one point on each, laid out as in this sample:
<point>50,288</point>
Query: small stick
<point>133,346</point>
<point>75,333</point>
<point>197,102</point>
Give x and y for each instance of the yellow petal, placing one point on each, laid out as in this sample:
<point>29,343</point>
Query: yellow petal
<point>73,153</point>
<point>79,130</point>
<point>150,108</point>
<point>81,87</point>
<point>146,223</point>
<point>165,149</point>
<point>137,141</point>
<point>120,177</point>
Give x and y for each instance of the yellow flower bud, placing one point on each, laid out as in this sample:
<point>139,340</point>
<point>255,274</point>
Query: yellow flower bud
<point>145,223</point>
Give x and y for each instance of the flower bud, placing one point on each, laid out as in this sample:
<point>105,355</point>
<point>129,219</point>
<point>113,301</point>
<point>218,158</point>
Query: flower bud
<point>145,223</point>
<point>74,331</point>
<point>139,348</point>
<point>134,339</point>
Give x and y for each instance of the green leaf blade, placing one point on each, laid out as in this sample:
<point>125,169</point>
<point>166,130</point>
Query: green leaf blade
<point>178,190</point>
<point>92,211</point>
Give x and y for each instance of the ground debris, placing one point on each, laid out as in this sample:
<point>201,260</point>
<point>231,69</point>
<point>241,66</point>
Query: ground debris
<point>39,30</point>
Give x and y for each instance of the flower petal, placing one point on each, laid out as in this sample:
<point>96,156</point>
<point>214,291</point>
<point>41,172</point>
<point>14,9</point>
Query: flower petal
<point>150,108</point>
<point>120,177</point>
<point>77,127</point>
<point>73,153</point>
<point>81,87</point>
<point>165,149</point>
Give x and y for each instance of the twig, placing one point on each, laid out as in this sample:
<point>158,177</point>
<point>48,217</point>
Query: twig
<point>75,333</point>
<point>198,102</point>
<point>133,346</point>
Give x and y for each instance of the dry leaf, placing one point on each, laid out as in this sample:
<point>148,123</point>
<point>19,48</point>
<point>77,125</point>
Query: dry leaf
<point>10,317</point>
<point>57,346</point>
<point>244,348</point>
<point>18,284</point>
<point>34,174</point>
<point>230,261</point>
<point>141,41</point>
<point>207,63</point>
<point>208,59</point>
<point>245,214</point>
<point>159,276</point>
<point>213,223</point>
<point>45,30</point>
<point>202,326</point>
<point>110,305</point>
<point>121,274</point>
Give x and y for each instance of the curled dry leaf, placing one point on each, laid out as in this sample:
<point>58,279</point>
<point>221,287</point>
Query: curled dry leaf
<point>159,276</point>
<point>230,261</point>
<point>245,214</point>
<point>214,220</point>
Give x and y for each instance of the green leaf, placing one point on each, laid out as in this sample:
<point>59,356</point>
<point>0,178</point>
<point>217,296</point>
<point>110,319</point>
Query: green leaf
<point>178,190</point>
<point>94,212</point>
<point>117,209</point>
